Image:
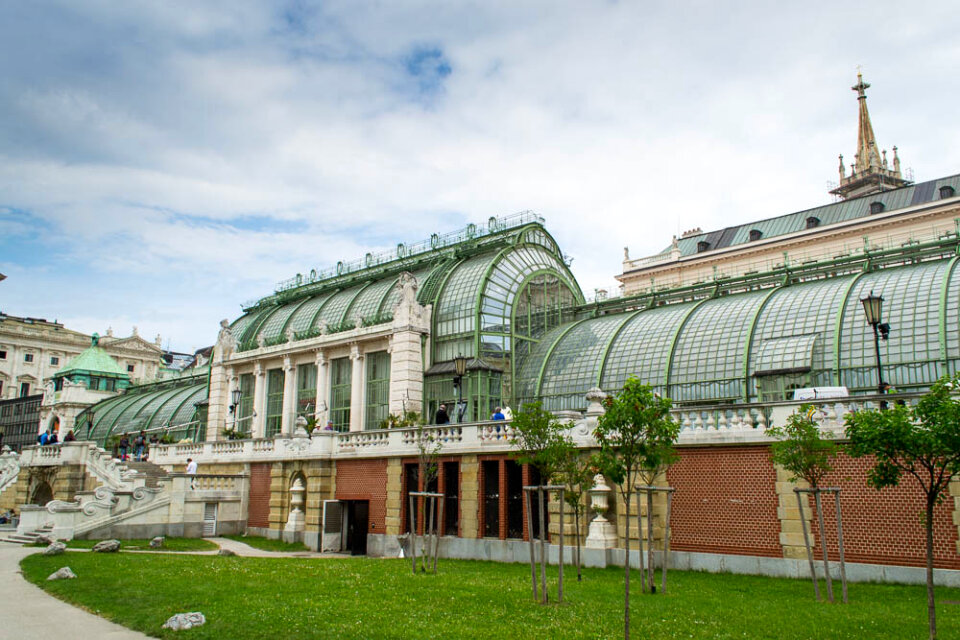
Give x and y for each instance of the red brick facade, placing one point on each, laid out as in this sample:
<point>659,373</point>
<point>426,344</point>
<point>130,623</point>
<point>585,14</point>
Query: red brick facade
<point>365,480</point>
<point>258,513</point>
<point>725,501</point>
<point>885,527</point>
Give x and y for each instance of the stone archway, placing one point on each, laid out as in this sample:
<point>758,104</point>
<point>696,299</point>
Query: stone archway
<point>42,494</point>
<point>54,425</point>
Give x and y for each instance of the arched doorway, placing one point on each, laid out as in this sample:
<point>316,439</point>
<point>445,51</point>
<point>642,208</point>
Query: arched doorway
<point>55,425</point>
<point>42,494</point>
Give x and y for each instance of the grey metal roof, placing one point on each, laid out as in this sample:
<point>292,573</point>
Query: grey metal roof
<point>827,214</point>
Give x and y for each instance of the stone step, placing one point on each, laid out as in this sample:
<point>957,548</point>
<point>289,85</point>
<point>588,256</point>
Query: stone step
<point>149,470</point>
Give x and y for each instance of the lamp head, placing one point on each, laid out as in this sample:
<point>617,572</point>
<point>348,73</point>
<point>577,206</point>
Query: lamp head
<point>460,363</point>
<point>873,308</point>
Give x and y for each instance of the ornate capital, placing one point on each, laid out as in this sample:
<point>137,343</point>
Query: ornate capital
<point>319,358</point>
<point>355,353</point>
<point>258,369</point>
<point>288,365</point>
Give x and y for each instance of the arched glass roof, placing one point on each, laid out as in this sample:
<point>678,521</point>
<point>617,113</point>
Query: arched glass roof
<point>171,403</point>
<point>717,349</point>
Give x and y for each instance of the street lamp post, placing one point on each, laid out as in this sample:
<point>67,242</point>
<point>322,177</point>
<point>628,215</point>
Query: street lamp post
<point>460,363</point>
<point>234,405</point>
<point>873,310</point>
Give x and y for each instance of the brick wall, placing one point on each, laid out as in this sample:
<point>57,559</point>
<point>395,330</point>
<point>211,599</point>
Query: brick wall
<point>885,527</point>
<point>258,513</point>
<point>725,501</point>
<point>365,480</point>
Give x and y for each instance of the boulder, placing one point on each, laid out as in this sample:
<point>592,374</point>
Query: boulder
<point>185,621</point>
<point>46,540</point>
<point>157,542</point>
<point>55,549</point>
<point>225,552</point>
<point>62,574</point>
<point>107,546</point>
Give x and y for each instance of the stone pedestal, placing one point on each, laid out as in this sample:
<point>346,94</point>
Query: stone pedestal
<point>602,533</point>
<point>296,521</point>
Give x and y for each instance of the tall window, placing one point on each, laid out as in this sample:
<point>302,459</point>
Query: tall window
<point>491,498</point>
<point>28,357</point>
<point>274,401</point>
<point>378,389</point>
<point>245,410</point>
<point>340,372</point>
<point>306,390</point>
<point>24,389</point>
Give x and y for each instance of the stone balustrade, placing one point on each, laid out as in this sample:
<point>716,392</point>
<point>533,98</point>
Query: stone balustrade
<point>719,424</point>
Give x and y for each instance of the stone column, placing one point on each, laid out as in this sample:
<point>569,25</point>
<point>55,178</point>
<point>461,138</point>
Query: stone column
<point>406,372</point>
<point>289,396</point>
<point>356,389</point>
<point>219,398</point>
<point>394,496</point>
<point>257,426</point>
<point>323,399</point>
<point>791,520</point>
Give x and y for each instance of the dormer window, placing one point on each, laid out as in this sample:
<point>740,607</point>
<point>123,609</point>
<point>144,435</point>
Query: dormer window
<point>702,246</point>
<point>877,207</point>
<point>755,234</point>
<point>813,221</point>
<point>946,191</point>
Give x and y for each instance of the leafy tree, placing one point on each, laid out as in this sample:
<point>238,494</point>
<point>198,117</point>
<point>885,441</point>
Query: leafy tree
<point>922,441</point>
<point>802,449</point>
<point>540,440</point>
<point>636,436</point>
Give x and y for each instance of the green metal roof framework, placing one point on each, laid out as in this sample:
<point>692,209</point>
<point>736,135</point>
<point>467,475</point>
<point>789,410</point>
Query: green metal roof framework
<point>166,403</point>
<point>709,343</point>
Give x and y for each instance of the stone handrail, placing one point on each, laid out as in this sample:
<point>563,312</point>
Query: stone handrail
<point>717,424</point>
<point>99,463</point>
<point>9,469</point>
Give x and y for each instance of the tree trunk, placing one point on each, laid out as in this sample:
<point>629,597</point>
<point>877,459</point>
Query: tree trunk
<point>931,603</point>
<point>823,543</point>
<point>532,541</point>
<point>650,572</point>
<point>806,543</point>
<point>576,517</point>
<point>626,571</point>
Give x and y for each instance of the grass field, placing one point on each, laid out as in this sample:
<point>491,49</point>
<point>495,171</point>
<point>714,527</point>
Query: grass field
<point>373,598</point>
<point>143,544</point>
<point>267,544</point>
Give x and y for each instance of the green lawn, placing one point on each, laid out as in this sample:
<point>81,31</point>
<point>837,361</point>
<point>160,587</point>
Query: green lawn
<point>267,544</point>
<point>373,598</point>
<point>143,544</point>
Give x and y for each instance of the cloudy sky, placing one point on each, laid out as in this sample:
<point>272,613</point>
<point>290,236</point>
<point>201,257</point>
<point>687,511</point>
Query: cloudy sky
<point>161,162</point>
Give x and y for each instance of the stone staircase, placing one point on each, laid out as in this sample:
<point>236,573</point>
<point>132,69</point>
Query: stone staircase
<point>151,473</point>
<point>28,537</point>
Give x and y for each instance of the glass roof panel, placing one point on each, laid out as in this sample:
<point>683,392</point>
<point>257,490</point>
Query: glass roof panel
<point>911,307</point>
<point>643,346</point>
<point>300,321</point>
<point>274,325</point>
<point>574,364</point>
<point>709,351</point>
<point>528,373</point>
<point>332,312</point>
<point>786,354</point>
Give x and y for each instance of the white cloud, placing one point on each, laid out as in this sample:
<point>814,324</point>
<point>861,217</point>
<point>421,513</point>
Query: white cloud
<point>183,158</point>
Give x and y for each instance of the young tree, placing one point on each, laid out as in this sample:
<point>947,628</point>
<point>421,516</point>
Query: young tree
<point>576,473</point>
<point>541,441</point>
<point>636,435</point>
<point>802,450</point>
<point>428,469</point>
<point>922,441</point>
